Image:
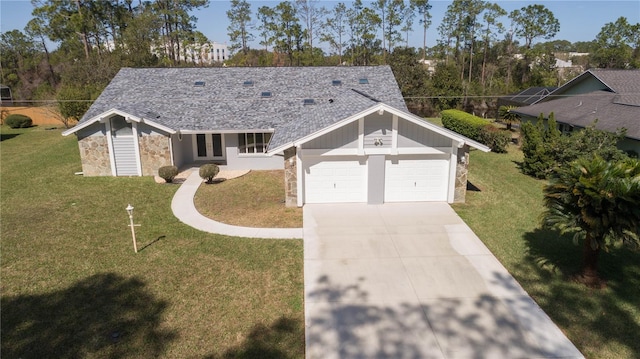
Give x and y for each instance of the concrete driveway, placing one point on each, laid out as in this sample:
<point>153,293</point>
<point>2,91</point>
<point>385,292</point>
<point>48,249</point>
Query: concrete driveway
<point>413,281</point>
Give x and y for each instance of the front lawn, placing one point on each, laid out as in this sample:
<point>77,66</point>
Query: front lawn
<point>505,212</point>
<point>72,286</point>
<point>253,200</point>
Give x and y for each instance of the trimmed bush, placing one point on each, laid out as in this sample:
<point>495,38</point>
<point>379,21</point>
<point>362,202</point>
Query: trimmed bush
<point>168,173</point>
<point>477,129</point>
<point>463,123</point>
<point>496,139</point>
<point>209,171</point>
<point>18,121</point>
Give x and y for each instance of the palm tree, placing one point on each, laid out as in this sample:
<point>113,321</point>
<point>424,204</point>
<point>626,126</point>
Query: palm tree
<point>599,203</point>
<point>507,116</point>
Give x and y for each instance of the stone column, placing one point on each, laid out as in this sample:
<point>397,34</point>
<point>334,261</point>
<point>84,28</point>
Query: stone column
<point>290,177</point>
<point>462,168</point>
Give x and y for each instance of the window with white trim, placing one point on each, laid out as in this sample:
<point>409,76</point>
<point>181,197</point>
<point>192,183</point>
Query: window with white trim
<point>253,142</point>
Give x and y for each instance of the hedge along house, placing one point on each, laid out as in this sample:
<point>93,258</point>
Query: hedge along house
<point>341,134</point>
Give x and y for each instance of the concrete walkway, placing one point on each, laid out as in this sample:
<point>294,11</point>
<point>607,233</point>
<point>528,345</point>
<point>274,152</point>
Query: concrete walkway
<point>412,280</point>
<point>184,209</point>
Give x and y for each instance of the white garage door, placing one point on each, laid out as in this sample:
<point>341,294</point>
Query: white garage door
<point>334,180</point>
<point>412,179</point>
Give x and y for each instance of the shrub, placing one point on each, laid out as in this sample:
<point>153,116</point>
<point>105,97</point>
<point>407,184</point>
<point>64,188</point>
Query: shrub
<point>496,139</point>
<point>476,128</point>
<point>168,173</point>
<point>18,121</point>
<point>463,123</point>
<point>209,171</point>
<point>545,148</point>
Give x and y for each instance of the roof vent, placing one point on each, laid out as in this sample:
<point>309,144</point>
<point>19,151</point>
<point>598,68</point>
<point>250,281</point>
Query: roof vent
<point>363,81</point>
<point>248,83</point>
<point>198,84</point>
<point>265,94</point>
<point>309,101</point>
<point>336,83</point>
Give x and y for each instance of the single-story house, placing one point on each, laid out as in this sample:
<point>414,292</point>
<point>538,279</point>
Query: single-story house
<point>612,97</point>
<point>341,134</point>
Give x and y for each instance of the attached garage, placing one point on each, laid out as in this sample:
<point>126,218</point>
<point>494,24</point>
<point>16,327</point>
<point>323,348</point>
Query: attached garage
<point>335,179</point>
<point>416,178</point>
<point>382,156</point>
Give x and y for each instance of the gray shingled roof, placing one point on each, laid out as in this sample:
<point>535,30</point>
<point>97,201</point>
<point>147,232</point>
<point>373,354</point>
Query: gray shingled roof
<point>168,96</point>
<point>582,110</point>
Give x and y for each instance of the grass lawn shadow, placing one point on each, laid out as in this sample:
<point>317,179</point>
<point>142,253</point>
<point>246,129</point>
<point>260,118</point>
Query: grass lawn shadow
<point>473,188</point>
<point>556,258</point>
<point>8,136</point>
<point>104,314</point>
<point>151,243</point>
<point>267,342</point>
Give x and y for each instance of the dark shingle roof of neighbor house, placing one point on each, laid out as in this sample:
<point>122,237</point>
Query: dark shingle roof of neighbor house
<point>616,105</point>
<point>582,110</point>
<point>227,101</point>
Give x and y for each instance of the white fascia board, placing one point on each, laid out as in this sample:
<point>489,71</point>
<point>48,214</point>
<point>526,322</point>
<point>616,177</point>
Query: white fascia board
<point>158,126</point>
<point>435,128</point>
<point>401,114</point>
<point>112,112</point>
<point>98,118</point>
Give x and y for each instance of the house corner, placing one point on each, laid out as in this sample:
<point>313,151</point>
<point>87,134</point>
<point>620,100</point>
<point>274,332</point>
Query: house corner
<point>290,177</point>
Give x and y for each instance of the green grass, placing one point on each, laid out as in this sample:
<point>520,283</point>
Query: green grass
<point>253,200</point>
<point>73,287</point>
<point>505,215</point>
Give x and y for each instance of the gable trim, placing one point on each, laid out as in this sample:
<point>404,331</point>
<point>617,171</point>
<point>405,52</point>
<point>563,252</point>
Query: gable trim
<point>570,84</point>
<point>115,111</point>
<point>381,108</point>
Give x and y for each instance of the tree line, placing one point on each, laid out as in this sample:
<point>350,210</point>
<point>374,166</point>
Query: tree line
<point>481,51</point>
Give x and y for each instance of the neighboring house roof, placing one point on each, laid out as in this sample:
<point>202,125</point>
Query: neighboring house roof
<point>527,96</point>
<point>583,110</point>
<point>626,83</point>
<point>610,96</point>
<point>172,98</point>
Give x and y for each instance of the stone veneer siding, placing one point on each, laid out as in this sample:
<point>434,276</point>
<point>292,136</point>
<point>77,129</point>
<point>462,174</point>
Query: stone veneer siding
<point>462,168</point>
<point>94,154</point>
<point>290,177</point>
<point>154,153</point>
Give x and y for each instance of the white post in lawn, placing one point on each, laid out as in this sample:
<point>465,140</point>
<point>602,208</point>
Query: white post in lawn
<point>133,230</point>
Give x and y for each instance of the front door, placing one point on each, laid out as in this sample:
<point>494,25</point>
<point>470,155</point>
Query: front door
<point>209,146</point>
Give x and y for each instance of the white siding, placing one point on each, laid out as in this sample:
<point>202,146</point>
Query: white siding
<point>380,128</point>
<point>343,137</point>
<point>412,135</point>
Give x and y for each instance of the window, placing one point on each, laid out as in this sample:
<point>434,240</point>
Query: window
<point>265,94</point>
<point>363,81</point>
<point>253,142</point>
<point>199,84</point>
<point>247,83</point>
<point>120,127</point>
<point>309,101</point>
<point>336,83</point>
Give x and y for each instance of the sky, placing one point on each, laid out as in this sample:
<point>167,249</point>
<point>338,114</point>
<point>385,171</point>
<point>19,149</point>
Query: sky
<point>579,20</point>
